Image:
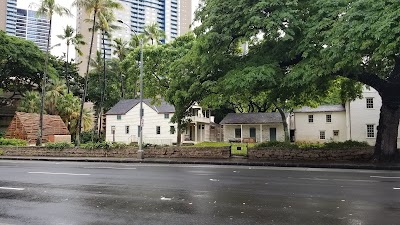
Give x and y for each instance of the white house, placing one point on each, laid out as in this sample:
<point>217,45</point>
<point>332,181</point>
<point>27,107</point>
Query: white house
<point>357,120</point>
<point>122,123</point>
<point>253,127</point>
<point>324,123</point>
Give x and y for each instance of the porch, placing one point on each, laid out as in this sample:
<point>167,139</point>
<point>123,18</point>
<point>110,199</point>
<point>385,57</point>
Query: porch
<point>253,133</point>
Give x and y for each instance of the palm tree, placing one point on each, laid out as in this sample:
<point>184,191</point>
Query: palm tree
<point>97,8</point>
<point>154,33</point>
<point>121,50</point>
<point>76,40</point>
<point>56,90</point>
<point>30,103</point>
<point>47,8</point>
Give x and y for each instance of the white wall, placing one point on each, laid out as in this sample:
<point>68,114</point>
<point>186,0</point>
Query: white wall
<point>151,120</point>
<point>360,116</point>
<point>229,132</point>
<point>306,131</point>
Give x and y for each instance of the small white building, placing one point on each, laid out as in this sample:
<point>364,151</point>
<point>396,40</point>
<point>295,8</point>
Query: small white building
<point>321,124</point>
<point>253,127</point>
<point>122,123</point>
<point>357,120</point>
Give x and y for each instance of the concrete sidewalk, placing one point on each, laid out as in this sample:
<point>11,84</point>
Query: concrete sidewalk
<point>231,161</point>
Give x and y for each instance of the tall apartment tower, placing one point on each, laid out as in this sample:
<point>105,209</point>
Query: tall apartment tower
<point>186,16</point>
<point>136,14</point>
<point>8,11</point>
<point>23,23</point>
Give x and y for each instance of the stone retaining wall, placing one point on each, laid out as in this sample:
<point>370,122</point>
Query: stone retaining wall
<point>354,154</point>
<point>128,152</point>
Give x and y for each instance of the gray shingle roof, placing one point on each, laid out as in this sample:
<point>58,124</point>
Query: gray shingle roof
<point>252,118</point>
<point>123,106</point>
<point>321,108</point>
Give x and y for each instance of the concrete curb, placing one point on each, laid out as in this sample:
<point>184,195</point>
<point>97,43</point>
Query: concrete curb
<point>367,166</point>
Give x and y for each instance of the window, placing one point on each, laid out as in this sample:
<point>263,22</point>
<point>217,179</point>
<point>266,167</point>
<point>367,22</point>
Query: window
<point>166,116</point>
<point>370,130</point>
<point>370,103</point>
<point>238,133</point>
<point>126,129</point>
<point>335,133</point>
<point>311,118</point>
<point>172,130</point>
<point>328,118</point>
<point>158,130</point>
<point>119,117</point>
<point>322,135</point>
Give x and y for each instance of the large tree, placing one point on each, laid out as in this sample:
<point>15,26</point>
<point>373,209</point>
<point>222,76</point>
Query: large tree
<point>307,43</point>
<point>21,64</point>
<point>98,9</point>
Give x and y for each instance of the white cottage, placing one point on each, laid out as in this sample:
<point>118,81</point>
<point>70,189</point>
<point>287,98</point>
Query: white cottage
<point>253,127</point>
<point>321,124</point>
<point>123,123</point>
<point>357,120</point>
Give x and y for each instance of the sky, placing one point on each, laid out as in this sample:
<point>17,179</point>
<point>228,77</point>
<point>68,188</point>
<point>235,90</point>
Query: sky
<point>59,23</point>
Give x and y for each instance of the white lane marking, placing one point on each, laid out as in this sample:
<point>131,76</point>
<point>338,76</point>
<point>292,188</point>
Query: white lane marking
<point>312,179</point>
<point>370,181</point>
<point>10,188</point>
<point>384,177</point>
<point>396,188</point>
<point>114,168</point>
<point>69,174</point>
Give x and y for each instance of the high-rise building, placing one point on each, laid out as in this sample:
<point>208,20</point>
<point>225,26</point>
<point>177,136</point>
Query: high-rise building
<point>8,11</point>
<point>186,16</point>
<point>33,28</point>
<point>23,23</point>
<point>136,14</point>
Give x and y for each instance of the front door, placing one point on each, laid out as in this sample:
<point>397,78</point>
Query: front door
<point>272,134</point>
<point>253,133</point>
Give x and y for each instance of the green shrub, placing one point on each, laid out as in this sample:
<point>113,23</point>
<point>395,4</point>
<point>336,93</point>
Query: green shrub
<point>345,145</point>
<point>12,142</point>
<point>1,152</point>
<point>2,133</point>
<point>58,146</point>
<point>311,145</point>
<point>275,144</point>
<point>103,145</point>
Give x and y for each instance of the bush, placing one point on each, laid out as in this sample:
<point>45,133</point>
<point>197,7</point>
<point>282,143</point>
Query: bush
<point>1,152</point>
<point>2,133</point>
<point>275,144</point>
<point>58,146</point>
<point>310,145</point>
<point>103,145</point>
<point>12,142</point>
<point>86,137</point>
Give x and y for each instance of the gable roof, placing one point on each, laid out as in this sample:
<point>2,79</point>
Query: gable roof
<point>123,106</point>
<point>252,118</point>
<point>321,108</point>
<point>26,126</point>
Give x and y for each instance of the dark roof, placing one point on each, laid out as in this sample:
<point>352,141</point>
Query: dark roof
<point>252,118</point>
<point>321,108</point>
<point>123,106</point>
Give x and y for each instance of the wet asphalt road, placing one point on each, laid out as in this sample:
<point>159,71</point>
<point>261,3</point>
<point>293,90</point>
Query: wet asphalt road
<point>105,193</point>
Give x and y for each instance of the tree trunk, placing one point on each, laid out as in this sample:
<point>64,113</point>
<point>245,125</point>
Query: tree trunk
<point>44,80</point>
<point>78,134</point>
<point>103,91</point>
<point>386,140</point>
<point>285,124</point>
<point>179,133</point>
<point>66,69</point>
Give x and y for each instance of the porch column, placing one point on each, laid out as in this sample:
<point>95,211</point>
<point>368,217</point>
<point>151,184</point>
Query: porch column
<point>241,133</point>
<point>195,131</point>
<point>261,133</point>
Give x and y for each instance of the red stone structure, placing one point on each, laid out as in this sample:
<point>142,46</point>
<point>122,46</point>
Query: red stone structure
<point>25,126</point>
